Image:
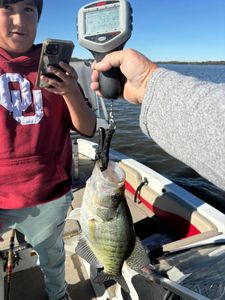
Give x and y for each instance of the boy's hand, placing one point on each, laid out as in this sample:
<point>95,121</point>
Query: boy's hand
<point>69,78</point>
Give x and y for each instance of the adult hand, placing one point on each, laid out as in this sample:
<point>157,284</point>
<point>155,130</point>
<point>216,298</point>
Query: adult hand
<point>136,68</point>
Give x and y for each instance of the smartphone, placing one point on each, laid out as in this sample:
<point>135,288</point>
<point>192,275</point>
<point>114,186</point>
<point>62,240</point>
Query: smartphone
<point>53,51</point>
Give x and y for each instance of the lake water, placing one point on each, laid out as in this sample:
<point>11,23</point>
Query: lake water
<point>131,141</point>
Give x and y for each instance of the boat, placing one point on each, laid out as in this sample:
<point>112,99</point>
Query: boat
<point>183,235</point>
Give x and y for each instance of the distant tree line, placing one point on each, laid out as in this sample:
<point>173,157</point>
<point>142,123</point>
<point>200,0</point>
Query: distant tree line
<point>80,59</point>
<point>208,62</point>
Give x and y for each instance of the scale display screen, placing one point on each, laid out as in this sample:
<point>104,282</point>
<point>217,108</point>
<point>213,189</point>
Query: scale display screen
<point>103,26</point>
<point>102,21</point>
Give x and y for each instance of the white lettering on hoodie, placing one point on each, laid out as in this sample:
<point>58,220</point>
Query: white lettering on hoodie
<point>17,101</point>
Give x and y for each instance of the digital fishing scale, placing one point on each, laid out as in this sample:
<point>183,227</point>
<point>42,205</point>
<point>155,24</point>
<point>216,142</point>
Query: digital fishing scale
<point>103,27</point>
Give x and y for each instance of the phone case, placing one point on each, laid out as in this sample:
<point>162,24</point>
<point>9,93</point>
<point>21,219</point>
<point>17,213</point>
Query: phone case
<point>53,51</point>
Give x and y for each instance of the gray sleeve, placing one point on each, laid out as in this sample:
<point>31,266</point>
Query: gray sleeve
<point>186,117</point>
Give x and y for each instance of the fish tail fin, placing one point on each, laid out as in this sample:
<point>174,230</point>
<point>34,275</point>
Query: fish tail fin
<point>102,277</point>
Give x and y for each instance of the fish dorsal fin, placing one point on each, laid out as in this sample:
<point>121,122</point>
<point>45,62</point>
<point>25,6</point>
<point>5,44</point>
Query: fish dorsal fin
<point>139,257</point>
<point>84,251</point>
<point>103,277</point>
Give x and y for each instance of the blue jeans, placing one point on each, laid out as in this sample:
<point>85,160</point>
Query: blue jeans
<point>43,227</point>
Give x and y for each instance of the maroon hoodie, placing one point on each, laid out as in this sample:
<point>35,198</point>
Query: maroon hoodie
<point>35,146</point>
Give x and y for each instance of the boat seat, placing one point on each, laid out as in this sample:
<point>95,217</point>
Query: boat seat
<point>179,216</point>
<point>83,70</point>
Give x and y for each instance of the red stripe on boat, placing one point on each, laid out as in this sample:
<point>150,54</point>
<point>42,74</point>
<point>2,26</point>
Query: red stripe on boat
<point>179,225</point>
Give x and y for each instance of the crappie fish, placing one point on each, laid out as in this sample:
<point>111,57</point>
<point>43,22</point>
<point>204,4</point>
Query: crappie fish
<point>108,237</point>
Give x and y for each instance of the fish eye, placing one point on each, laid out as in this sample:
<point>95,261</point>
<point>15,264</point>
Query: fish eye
<point>116,197</point>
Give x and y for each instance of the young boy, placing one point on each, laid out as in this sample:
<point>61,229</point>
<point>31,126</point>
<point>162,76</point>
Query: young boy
<point>35,148</point>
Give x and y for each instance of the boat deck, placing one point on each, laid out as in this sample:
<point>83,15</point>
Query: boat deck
<point>28,283</point>
<point>27,279</point>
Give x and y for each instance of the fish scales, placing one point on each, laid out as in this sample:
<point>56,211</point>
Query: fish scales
<point>112,242</point>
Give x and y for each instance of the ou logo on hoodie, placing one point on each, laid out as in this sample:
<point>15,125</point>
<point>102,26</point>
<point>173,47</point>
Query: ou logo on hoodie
<point>17,101</point>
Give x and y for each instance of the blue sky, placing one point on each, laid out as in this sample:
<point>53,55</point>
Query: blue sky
<point>184,30</point>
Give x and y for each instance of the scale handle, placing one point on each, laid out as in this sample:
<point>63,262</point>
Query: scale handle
<point>111,82</point>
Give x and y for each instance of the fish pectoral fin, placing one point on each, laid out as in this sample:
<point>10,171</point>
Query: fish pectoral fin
<point>84,251</point>
<point>103,277</point>
<point>138,257</point>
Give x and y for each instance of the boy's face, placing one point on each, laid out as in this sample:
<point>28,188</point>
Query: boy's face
<point>18,25</point>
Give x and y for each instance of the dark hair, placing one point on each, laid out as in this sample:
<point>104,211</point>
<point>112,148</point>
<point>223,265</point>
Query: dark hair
<point>38,3</point>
